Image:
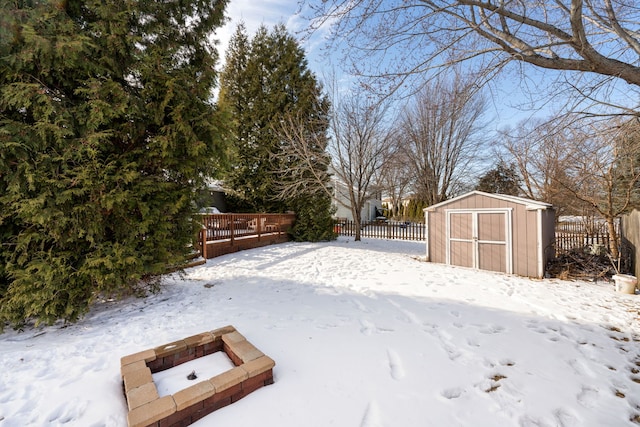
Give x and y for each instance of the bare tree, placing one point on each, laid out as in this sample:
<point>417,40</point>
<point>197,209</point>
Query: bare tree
<point>603,170</point>
<point>358,148</point>
<point>596,38</point>
<point>440,136</point>
<point>302,157</point>
<point>540,150</point>
<point>355,153</point>
<point>395,178</point>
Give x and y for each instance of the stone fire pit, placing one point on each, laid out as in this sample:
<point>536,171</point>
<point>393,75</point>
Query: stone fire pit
<point>146,408</point>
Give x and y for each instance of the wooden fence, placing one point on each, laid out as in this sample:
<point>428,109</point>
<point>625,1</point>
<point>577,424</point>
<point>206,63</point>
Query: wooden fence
<point>575,235</point>
<point>569,241</point>
<point>382,230</point>
<point>221,234</point>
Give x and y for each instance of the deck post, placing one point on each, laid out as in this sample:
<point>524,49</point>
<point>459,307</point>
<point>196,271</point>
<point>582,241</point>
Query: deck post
<point>232,226</point>
<point>203,232</point>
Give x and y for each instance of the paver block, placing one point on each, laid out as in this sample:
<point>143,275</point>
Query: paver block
<point>146,356</point>
<point>258,366</point>
<point>140,395</point>
<point>194,394</point>
<point>245,351</point>
<point>233,337</point>
<point>199,339</point>
<point>218,333</point>
<point>229,378</point>
<point>137,378</point>
<point>151,412</point>
<point>131,367</point>
<point>170,349</point>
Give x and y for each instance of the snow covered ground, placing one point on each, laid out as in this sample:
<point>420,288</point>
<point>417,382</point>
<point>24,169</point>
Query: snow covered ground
<point>364,334</point>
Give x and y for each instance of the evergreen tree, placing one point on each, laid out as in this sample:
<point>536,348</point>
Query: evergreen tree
<point>106,130</point>
<point>313,219</point>
<point>265,83</point>
<point>502,179</point>
<point>412,206</point>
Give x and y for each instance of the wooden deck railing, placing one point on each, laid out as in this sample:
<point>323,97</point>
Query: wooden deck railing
<point>225,233</point>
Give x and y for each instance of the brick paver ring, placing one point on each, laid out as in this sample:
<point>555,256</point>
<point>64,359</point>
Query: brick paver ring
<point>253,370</point>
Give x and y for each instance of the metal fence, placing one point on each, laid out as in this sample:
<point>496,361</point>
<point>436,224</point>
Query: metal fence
<point>382,230</point>
<point>569,236</point>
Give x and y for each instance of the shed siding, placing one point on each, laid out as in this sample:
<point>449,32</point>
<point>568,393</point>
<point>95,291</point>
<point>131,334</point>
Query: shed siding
<point>437,236</point>
<point>525,235</point>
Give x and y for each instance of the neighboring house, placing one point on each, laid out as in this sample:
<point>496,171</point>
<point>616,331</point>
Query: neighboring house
<point>372,207</point>
<point>492,232</point>
<point>213,197</point>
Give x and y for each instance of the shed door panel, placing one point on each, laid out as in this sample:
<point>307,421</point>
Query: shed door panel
<point>461,242</point>
<point>491,226</point>
<point>492,241</point>
<point>462,254</point>
<point>461,226</point>
<point>492,257</point>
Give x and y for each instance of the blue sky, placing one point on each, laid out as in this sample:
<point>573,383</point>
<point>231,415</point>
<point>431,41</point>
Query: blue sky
<point>271,12</point>
<point>255,13</point>
<point>508,97</point>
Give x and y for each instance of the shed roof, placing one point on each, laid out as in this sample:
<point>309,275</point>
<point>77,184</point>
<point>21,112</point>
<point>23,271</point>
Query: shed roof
<point>529,204</point>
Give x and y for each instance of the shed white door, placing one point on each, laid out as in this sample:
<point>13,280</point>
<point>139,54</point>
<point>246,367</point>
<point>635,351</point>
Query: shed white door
<point>480,239</point>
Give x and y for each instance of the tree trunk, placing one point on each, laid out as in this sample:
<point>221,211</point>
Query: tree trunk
<point>357,222</point>
<point>613,238</point>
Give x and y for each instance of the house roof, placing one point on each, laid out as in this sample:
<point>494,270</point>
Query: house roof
<point>215,185</point>
<point>530,204</point>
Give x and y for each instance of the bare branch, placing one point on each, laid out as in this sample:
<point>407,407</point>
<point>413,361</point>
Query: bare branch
<point>596,37</point>
<point>627,36</point>
<point>440,136</point>
<point>302,158</point>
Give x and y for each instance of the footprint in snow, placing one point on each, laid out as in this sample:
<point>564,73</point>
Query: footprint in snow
<point>471,342</point>
<point>588,397</point>
<point>372,417</point>
<point>407,315</point>
<point>396,367</point>
<point>492,329</point>
<point>566,418</point>
<point>581,368</point>
<point>360,306</point>
<point>452,393</point>
<point>367,327</point>
<point>68,412</point>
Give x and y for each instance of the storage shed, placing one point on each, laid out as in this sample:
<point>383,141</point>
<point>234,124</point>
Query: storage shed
<point>492,232</point>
